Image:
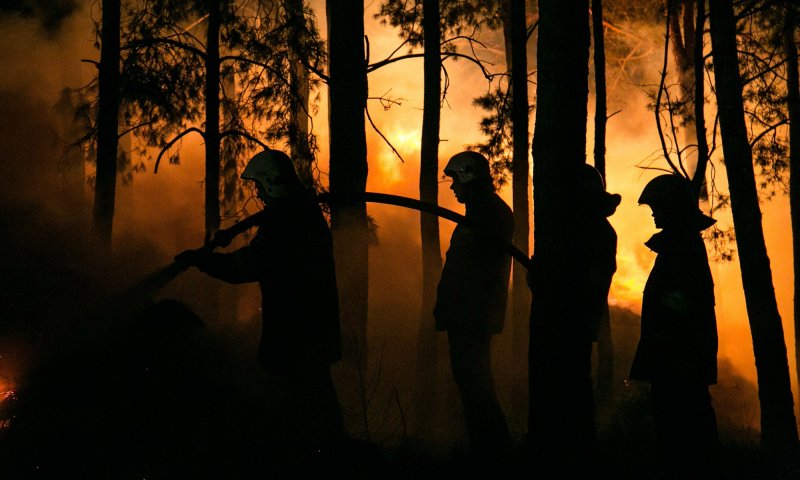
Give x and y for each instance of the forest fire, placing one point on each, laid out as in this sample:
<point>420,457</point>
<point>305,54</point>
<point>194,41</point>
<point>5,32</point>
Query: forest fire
<point>628,285</point>
<point>389,399</point>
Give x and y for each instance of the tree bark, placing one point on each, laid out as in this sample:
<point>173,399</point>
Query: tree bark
<point>107,124</point>
<point>298,79</point>
<point>211,133</point>
<point>601,109</point>
<point>515,24</point>
<point>561,416</point>
<point>699,177</point>
<point>347,97</point>
<point>793,106</point>
<point>778,427</point>
<point>427,354</point>
<point>605,346</point>
<point>686,35</point>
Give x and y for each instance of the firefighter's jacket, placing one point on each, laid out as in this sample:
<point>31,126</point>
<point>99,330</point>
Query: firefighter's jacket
<point>473,289</point>
<point>597,263</point>
<point>679,329</point>
<point>291,257</point>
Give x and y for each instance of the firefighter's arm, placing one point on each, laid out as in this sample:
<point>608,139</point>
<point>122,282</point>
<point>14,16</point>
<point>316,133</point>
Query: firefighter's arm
<point>235,267</point>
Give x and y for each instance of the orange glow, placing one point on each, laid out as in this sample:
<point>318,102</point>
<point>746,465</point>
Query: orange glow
<point>165,211</point>
<point>7,397</point>
<point>389,167</point>
<point>628,283</point>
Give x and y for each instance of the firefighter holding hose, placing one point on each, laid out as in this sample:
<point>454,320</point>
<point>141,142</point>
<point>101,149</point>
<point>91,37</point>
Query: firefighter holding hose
<point>291,257</point>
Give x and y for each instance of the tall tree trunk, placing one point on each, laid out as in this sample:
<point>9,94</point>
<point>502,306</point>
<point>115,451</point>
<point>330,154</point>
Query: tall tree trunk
<point>682,36</point>
<point>212,134</point>
<point>605,346</point>
<point>230,183</point>
<point>699,178</point>
<point>347,97</point>
<point>561,414</point>
<point>298,80</point>
<point>515,26</point>
<point>793,104</point>
<point>682,27</point>
<point>601,109</point>
<point>427,353</point>
<point>685,28</point>
<point>108,124</point>
<point>778,427</point>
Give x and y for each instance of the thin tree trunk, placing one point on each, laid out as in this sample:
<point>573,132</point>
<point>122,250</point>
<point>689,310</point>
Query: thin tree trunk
<point>212,134</point>
<point>108,124</point>
<point>298,79</point>
<point>793,104</point>
<point>778,427</point>
<point>601,109</point>
<point>561,416</point>
<point>516,43</point>
<point>605,346</point>
<point>686,29</point>
<point>347,97</point>
<point>427,354</point>
<point>699,178</point>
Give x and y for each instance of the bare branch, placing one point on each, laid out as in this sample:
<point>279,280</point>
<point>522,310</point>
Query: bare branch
<point>93,62</point>
<point>768,130</point>
<point>129,130</point>
<point>658,98</point>
<point>173,141</point>
<point>674,132</point>
<point>531,29</point>
<point>374,127</point>
<point>389,60</point>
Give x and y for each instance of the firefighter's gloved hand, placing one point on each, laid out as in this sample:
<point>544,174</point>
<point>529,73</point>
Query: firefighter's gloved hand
<point>191,258</point>
<point>223,238</point>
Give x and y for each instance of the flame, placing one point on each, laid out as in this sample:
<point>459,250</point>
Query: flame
<point>389,164</point>
<point>7,397</point>
<point>628,282</point>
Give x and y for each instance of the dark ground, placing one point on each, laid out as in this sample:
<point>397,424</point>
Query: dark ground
<point>158,397</point>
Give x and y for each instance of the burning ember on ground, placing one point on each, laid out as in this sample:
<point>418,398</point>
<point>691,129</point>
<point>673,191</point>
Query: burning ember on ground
<point>7,398</point>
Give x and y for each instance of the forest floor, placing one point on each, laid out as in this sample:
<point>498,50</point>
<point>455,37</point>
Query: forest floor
<point>88,409</point>
<point>614,459</point>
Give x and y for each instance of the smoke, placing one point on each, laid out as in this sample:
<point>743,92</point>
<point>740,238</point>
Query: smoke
<point>51,274</point>
<point>50,14</point>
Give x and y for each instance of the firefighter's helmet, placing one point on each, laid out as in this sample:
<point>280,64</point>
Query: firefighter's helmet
<point>467,167</point>
<point>593,192</point>
<point>673,195</point>
<point>273,171</point>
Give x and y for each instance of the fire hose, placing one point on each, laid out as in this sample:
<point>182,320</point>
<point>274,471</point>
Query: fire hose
<point>156,280</point>
<point>224,237</point>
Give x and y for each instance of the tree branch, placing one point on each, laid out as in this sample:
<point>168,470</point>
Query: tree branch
<point>246,135</point>
<point>93,62</point>
<point>156,41</point>
<point>664,148</point>
<point>129,130</point>
<point>173,141</point>
<point>771,128</point>
<point>366,110</point>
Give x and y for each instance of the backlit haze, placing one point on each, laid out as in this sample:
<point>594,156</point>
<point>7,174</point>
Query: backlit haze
<point>164,211</point>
